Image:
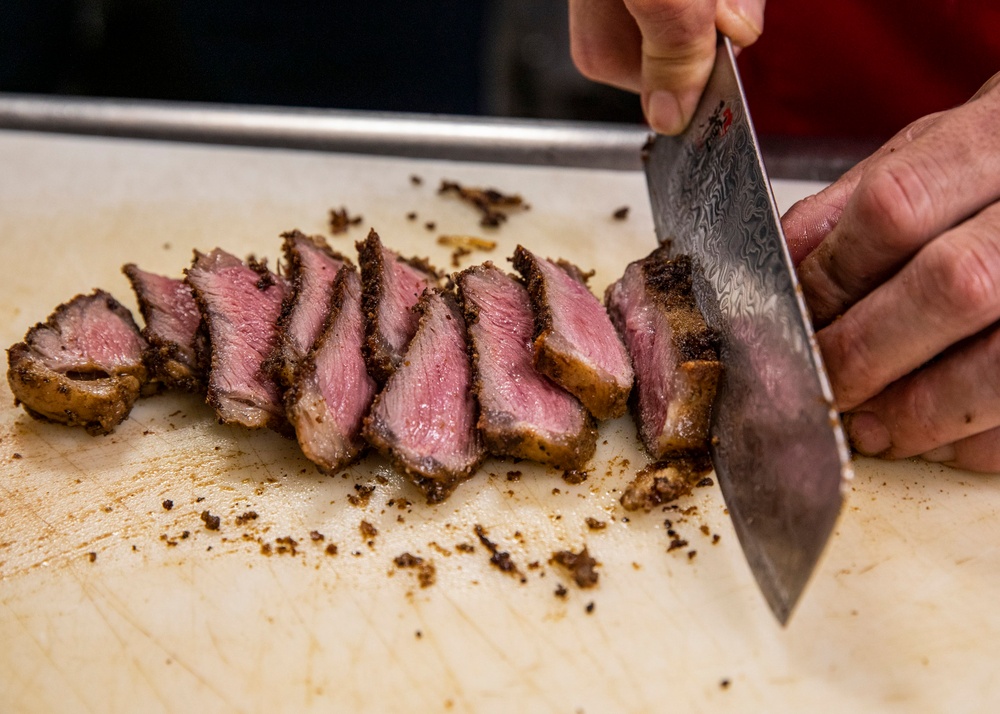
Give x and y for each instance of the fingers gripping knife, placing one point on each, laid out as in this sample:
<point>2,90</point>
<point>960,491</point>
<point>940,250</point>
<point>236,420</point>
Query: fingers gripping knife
<point>778,447</point>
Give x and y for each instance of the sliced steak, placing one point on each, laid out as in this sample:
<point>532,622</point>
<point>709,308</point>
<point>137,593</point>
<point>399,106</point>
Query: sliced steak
<point>523,413</point>
<point>312,267</point>
<point>332,391</point>
<point>674,353</point>
<point>575,343</point>
<point>81,367</point>
<point>390,287</point>
<point>425,418</point>
<point>174,330</point>
<point>240,304</point>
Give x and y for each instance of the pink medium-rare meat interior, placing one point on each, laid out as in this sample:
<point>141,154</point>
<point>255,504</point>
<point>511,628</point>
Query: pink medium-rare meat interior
<point>173,328</point>
<point>575,343</point>
<point>81,367</point>
<point>522,412</point>
<point>89,335</point>
<point>673,353</point>
<point>312,270</point>
<point>425,417</point>
<point>333,391</point>
<point>240,305</point>
<point>391,287</point>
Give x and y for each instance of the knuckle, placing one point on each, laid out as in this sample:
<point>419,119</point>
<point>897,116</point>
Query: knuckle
<point>899,201</point>
<point>661,9</point>
<point>914,421</point>
<point>961,281</point>
<point>597,62</point>
<point>854,369</point>
<point>672,27</point>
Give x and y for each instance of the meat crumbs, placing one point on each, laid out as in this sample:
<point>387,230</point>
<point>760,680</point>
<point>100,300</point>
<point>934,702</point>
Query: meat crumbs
<point>211,522</point>
<point>580,565</point>
<point>464,245</point>
<point>341,221</point>
<point>368,531</point>
<point>664,481</point>
<point>493,206</point>
<point>499,558</point>
<point>364,494</point>
<point>426,572</point>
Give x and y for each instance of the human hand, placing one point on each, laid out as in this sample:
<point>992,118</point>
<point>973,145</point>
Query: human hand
<point>900,265</point>
<point>662,49</point>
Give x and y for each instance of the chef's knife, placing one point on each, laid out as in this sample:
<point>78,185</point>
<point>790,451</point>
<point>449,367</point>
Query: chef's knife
<point>777,444</point>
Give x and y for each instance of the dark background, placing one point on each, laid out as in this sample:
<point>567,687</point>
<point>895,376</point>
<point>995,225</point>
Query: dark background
<point>494,57</point>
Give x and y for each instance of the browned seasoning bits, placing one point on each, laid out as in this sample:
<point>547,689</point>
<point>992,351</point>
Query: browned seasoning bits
<point>493,205</point>
<point>580,565</point>
<point>340,220</point>
<point>211,522</point>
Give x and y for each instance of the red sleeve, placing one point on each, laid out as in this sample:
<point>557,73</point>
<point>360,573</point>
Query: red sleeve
<point>850,68</point>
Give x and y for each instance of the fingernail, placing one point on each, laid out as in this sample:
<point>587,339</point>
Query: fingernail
<point>745,22</point>
<point>867,433</point>
<point>663,112</point>
<point>941,454</point>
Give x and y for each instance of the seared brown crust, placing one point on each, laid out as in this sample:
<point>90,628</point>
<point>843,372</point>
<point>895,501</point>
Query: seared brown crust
<point>164,359</point>
<point>277,364</point>
<point>50,396</point>
<point>502,437</point>
<point>349,445</point>
<point>670,283</point>
<point>94,399</point>
<point>266,415</point>
<point>570,453</point>
<point>604,398</point>
<point>432,477</point>
<point>378,353</point>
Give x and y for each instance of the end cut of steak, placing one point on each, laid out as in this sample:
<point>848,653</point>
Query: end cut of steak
<point>312,267</point>
<point>575,343</point>
<point>81,367</point>
<point>332,391</point>
<point>425,418</point>
<point>391,286</point>
<point>173,329</point>
<point>240,304</point>
<point>522,412</point>
<point>674,353</point>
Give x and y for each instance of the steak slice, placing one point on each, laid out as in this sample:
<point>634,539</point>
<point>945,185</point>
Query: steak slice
<point>674,353</point>
<point>174,330</point>
<point>390,287</point>
<point>240,304</point>
<point>575,343</point>
<point>332,391</point>
<point>312,267</point>
<point>425,418</point>
<point>523,413</point>
<point>81,367</point>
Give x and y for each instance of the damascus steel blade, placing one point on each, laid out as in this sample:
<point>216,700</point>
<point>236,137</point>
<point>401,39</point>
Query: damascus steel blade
<point>779,450</point>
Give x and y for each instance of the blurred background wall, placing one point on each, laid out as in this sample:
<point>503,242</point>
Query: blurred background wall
<point>493,57</point>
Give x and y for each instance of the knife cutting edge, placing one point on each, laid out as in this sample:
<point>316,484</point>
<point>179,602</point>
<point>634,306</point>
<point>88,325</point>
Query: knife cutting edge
<point>778,447</point>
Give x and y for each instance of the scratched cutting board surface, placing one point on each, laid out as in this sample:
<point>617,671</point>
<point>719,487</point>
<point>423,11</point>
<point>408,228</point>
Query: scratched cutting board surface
<point>110,602</point>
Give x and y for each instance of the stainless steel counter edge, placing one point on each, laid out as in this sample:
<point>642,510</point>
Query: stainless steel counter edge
<point>497,140</point>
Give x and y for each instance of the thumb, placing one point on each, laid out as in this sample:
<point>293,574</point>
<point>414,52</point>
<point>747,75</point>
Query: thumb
<point>678,51</point>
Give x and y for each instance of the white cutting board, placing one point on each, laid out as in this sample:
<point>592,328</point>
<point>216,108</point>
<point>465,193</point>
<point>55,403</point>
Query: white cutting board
<point>901,614</point>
